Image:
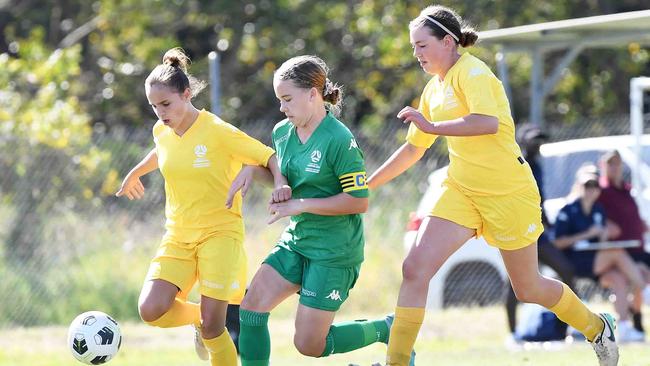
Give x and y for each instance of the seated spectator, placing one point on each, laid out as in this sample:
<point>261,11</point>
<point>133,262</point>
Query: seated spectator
<point>583,218</point>
<point>621,209</point>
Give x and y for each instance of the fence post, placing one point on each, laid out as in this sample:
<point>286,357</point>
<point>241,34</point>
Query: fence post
<point>215,82</point>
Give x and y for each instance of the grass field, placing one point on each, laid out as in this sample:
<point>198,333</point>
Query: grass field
<point>458,337</point>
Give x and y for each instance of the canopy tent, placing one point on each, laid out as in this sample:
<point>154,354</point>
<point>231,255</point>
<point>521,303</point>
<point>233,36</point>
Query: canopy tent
<point>573,36</point>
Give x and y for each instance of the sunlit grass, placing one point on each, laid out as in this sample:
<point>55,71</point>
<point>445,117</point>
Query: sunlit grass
<point>459,336</point>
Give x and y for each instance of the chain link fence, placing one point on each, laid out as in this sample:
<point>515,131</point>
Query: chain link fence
<point>90,250</point>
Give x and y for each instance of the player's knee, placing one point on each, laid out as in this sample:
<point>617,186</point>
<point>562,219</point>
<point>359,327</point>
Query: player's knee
<point>211,330</point>
<point>308,346</point>
<point>413,271</point>
<point>152,310</point>
<point>250,303</point>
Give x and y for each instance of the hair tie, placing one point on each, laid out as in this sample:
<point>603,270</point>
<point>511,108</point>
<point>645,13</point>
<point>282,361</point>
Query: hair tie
<point>443,28</point>
<point>328,87</point>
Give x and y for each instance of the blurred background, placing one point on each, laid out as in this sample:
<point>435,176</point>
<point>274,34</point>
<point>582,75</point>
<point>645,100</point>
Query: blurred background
<point>74,119</point>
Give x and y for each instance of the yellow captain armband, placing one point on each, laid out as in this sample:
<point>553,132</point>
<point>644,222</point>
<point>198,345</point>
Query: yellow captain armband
<point>353,181</point>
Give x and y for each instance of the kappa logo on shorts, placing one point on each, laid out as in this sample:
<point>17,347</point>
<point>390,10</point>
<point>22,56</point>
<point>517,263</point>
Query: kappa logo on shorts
<point>308,293</point>
<point>334,295</point>
<point>211,284</point>
<point>531,228</point>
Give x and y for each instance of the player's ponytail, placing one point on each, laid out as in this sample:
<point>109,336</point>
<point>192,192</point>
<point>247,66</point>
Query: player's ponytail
<point>311,72</point>
<point>173,74</point>
<point>177,58</point>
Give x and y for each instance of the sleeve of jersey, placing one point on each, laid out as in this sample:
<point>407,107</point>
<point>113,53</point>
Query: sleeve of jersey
<point>156,130</point>
<point>245,148</point>
<point>350,168</point>
<point>480,86</point>
<point>415,136</point>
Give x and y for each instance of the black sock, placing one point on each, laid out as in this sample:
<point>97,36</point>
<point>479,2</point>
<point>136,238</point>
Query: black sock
<point>638,323</point>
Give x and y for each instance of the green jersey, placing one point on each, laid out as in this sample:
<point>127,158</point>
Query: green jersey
<point>328,163</point>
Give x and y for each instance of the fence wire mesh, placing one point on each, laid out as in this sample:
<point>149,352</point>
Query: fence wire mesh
<point>66,249</point>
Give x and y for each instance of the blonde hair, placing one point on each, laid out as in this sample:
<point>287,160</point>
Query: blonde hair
<point>172,73</point>
<point>311,72</point>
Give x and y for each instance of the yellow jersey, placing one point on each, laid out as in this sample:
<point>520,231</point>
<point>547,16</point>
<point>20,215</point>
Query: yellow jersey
<point>199,168</point>
<point>482,165</point>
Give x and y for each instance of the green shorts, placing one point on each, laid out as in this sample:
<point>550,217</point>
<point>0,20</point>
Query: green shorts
<point>323,288</point>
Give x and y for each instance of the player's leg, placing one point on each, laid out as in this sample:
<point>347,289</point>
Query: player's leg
<point>453,220</point>
<point>312,328</point>
<point>278,278</point>
<point>530,286</point>
<point>551,256</point>
<point>324,290</point>
<point>213,332</point>
<point>163,298</point>
<point>222,270</point>
<point>437,240</point>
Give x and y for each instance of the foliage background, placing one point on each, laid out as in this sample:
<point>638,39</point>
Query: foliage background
<point>74,119</point>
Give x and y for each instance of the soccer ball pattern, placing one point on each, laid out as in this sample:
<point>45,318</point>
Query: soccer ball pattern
<point>94,337</point>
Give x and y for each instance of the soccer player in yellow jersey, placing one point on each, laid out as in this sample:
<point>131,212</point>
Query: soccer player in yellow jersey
<point>199,156</point>
<point>489,191</point>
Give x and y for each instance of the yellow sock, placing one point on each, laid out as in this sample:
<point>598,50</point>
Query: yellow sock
<point>222,350</point>
<point>403,333</point>
<point>574,312</point>
<point>181,313</point>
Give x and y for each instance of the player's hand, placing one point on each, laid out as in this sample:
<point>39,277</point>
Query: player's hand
<point>284,209</point>
<point>410,114</point>
<point>280,194</point>
<point>242,182</point>
<point>131,187</point>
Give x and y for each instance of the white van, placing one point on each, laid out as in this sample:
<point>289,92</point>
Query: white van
<point>475,274</point>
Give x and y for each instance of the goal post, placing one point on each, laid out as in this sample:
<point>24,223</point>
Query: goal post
<point>638,86</point>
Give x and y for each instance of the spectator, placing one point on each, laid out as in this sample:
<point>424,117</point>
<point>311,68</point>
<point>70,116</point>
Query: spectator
<point>530,137</point>
<point>583,219</point>
<point>621,209</point>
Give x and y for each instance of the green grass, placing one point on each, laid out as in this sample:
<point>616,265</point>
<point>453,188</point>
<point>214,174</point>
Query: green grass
<point>459,337</point>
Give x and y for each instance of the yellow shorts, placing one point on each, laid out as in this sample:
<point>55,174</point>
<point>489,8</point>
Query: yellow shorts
<point>509,222</point>
<point>218,262</point>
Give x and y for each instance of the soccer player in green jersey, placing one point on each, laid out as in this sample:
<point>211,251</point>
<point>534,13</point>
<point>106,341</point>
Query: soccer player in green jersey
<point>320,252</point>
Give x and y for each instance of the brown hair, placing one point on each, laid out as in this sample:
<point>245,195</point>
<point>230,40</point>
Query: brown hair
<point>172,73</point>
<point>311,72</point>
<point>467,36</point>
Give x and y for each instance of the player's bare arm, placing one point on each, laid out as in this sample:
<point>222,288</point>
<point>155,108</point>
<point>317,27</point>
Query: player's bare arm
<point>340,204</point>
<point>470,125</point>
<point>131,186</point>
<point>402,159</point>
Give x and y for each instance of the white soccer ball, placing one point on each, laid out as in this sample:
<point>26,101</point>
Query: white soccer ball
<point>94,337</point>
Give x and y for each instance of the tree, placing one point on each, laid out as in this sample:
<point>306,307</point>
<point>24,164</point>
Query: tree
<point>44,125</point>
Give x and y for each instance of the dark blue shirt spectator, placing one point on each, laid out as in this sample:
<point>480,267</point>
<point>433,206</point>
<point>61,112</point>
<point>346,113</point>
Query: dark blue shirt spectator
<point>573,220</point>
